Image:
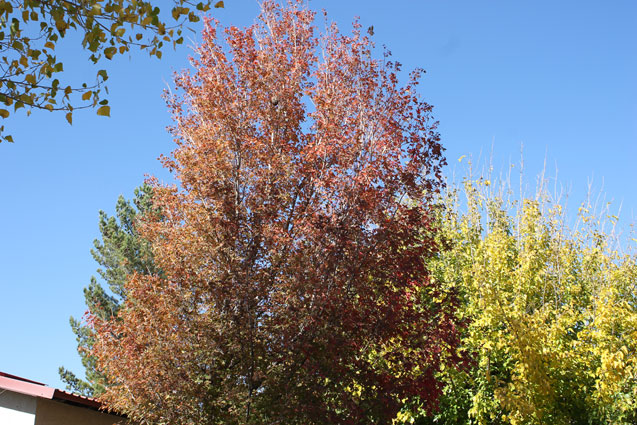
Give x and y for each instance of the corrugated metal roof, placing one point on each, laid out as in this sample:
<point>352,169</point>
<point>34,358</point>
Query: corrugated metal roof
<point>37,389</point>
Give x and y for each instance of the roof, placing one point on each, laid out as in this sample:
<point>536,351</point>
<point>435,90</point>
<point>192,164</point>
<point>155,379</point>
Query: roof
<point>38,389</point>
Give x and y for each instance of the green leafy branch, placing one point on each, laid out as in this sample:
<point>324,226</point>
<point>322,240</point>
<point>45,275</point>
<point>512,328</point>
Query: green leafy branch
<point>30,31</point>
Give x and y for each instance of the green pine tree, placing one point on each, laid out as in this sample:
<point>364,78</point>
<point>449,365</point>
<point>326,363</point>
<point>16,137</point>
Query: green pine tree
<point>120,252</point>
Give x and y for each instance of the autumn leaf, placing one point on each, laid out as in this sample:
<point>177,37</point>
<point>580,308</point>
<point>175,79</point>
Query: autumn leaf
<point>109,52</point>
<point>104,111</point>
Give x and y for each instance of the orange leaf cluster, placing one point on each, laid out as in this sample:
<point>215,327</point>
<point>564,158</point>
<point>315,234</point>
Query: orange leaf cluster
<point>293,287</point>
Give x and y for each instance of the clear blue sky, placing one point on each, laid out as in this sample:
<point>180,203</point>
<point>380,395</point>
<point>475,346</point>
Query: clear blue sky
<point>558,76</point>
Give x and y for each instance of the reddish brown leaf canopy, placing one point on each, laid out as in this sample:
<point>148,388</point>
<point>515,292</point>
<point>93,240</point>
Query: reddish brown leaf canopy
<point>294,288</point>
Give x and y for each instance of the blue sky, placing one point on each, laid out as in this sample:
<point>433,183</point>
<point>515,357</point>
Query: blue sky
<point>557,77</point>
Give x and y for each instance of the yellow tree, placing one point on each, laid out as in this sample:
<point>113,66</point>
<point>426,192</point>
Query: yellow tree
<point>551,311</point>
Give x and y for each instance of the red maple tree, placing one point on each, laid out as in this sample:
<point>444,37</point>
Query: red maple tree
<point>293,286</point>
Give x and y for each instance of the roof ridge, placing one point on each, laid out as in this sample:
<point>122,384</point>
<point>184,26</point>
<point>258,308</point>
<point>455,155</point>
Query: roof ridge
<point>19,378</point>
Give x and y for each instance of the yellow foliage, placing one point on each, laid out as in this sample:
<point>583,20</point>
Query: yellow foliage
<point>551,312</point>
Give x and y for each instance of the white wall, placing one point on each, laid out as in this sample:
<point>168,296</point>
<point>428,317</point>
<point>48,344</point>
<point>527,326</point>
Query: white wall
<point>16,409</point>
<point>21,409</point>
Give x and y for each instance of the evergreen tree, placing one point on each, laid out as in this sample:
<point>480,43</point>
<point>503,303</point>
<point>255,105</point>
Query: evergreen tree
<point>119,252</point>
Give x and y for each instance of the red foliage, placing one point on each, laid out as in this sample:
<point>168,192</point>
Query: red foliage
<point>293,286</point>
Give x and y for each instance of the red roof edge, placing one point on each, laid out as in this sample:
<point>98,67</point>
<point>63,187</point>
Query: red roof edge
<point>19,378</point>
<point>37,389</point>
<point>25,387</point>
<point>77,399</point>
